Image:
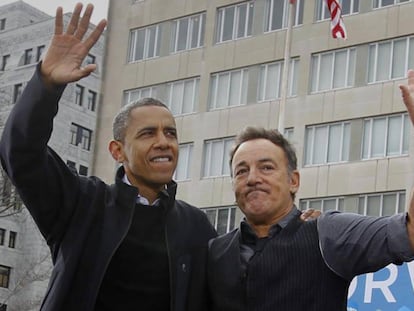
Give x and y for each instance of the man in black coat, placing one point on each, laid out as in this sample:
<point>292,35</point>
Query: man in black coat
<point>126,246</point>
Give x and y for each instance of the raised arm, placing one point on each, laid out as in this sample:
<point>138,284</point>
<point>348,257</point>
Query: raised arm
<point>407,92</point>
<point>63,60</point>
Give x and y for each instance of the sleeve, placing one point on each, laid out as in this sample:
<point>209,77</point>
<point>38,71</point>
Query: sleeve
<point>44,182</point>
<point>352,244</point>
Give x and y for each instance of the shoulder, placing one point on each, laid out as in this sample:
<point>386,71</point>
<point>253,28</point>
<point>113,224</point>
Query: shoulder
<point>223,241</point>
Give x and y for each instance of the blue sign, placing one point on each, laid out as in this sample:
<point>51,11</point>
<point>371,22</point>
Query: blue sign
<point>389,289</point>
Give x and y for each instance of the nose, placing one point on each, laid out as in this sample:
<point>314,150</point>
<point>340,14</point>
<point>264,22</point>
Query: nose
<point>253,177</point>
<point>162,140</point>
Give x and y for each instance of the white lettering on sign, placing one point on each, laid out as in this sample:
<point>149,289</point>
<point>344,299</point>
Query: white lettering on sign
<point>382,285</point>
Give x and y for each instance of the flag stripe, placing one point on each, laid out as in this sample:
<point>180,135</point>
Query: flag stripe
<point>337,25</point>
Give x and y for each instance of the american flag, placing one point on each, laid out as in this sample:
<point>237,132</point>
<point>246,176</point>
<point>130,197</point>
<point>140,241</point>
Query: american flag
<point>337,25</point>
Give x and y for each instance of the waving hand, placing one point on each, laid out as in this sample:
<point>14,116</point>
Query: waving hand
<point>63,61</point>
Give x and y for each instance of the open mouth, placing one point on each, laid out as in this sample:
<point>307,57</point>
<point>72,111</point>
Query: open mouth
<point>161,159</point>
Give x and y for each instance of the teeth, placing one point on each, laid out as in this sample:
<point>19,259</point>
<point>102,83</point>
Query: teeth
<point>161,160</point>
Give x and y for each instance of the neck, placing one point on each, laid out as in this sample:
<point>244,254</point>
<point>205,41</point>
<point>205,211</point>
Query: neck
<point>261,231</point>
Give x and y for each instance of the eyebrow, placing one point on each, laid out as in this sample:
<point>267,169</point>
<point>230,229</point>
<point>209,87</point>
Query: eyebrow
<point>262,160</point>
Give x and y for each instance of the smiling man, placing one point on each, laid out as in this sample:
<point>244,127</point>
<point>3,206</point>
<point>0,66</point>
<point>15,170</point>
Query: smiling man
<point>126,246</point>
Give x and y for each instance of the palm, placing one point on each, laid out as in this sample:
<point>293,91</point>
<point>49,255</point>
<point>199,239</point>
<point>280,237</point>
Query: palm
<point>63,60</point>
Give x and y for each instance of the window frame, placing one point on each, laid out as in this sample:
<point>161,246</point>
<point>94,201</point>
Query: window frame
<point>5,272</point>
<point>367,153</point>
<point>216,86</point>
<point>223,157</point>
<point>374,73</point>
<point>323,14</point>
<point>12,239</point>
<point>147,47</point>
<point>92,96</point>
<point>184,162</point>
<point>191,28</point>
<point>231,217</point>
<point>309,159</point>
<point>269,10</point>
<point>79,93</point>
<point>263,83</point>
<point>317,70</point>
<point>80,135</point>
<point>222,21</point>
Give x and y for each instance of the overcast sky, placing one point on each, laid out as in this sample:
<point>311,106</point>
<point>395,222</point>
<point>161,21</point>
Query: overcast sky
<point>49,6</point>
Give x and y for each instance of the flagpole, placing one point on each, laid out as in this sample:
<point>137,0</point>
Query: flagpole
<point>286,63</point>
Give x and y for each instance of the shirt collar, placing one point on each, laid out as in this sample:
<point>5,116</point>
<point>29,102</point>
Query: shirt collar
<point>140,199</point>
<point>249,236</point>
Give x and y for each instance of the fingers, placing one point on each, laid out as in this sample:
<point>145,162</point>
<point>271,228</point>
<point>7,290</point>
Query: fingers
<point>74,20</point>
<point>84,22</point>
<point>407,92</point>
<point>310,214</point>
<point>95,34</point>
<point>59,21</point>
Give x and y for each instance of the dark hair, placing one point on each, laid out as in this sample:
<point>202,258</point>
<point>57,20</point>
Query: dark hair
<point>121,120</point>
<point>250,133</point>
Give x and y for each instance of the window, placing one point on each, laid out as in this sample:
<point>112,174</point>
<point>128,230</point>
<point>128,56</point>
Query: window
<point>327,143</point>
<point>382,204</point>
<point>386,136</point>
<point>323,204</point>
<point>2,23</point>
<point>222,218</point>
<point>390,59</point>
<point>270,80</point>
<point>72,166</point>
<point>183,171</point>
<point>234,22</point>
<point>347,7</point>
<point>4,62</point>
<point>288,134</point>
<point>12,239</point>
<point>28,54</point>
<point>91,100</point>
<point>39,52</point>
<point>90,59</point>
<point>80,135</point>
<point>183,96</point>
<point>333,70</point>
<point>144,43</point>
<point>83,170</point>
<point>216,157</point>
<point>276,14</point>
<point>188,33</point>
<point>2,236</point>
<point>79,94</point>
<point>17,91</point>
<point>382,3</point>
<point>136,94</point>
<point>228,89</point>
<point>4,276</point>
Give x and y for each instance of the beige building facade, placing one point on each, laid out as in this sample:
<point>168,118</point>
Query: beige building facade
<point>218,65</point>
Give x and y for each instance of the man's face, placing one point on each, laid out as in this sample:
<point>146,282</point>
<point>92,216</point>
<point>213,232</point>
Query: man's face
<point>261,182</point>
<point>150,148</point>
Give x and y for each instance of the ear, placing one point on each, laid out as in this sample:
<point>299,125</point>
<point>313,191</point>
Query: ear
<point>117,150</point>
<point>294,181</point>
